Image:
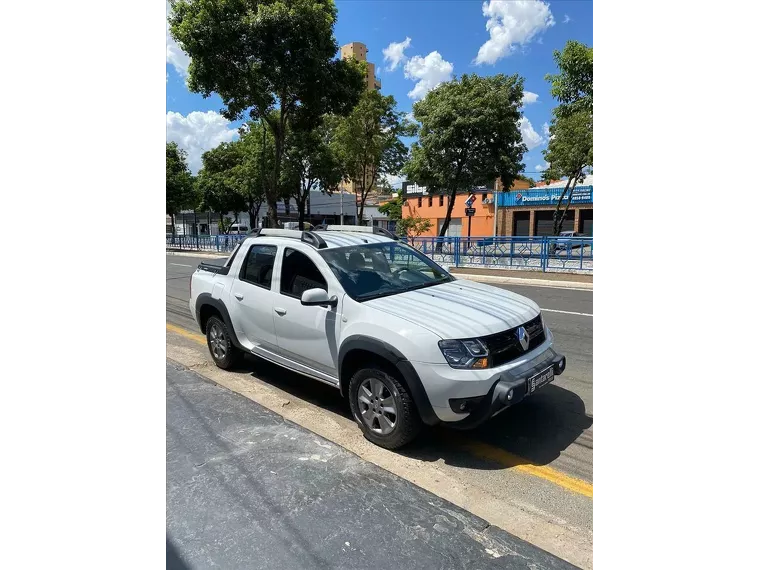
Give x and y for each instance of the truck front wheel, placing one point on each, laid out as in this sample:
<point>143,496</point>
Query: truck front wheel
<point>383,408</point>
<point>223,352</point>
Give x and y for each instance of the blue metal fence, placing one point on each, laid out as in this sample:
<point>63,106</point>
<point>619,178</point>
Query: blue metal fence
<point>540,253</point>
<point>543,253</point>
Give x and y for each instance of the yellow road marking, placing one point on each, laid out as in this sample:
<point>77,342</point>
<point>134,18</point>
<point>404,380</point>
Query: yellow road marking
<point>477,448</point>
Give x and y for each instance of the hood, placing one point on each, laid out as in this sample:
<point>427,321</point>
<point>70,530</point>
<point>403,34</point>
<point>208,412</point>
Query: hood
<point>459,309</point>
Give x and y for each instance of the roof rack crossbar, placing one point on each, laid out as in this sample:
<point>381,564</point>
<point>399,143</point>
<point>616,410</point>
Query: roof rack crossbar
<point>305,236</point>
<point>357,229</point>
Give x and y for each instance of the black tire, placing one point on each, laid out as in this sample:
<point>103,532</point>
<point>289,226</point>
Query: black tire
<point>407,423</point>
<point>224,354</point>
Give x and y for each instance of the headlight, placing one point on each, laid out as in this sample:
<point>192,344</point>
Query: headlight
<point>470,353</point>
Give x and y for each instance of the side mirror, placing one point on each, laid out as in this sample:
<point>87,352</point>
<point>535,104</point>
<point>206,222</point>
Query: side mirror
<point>317,298</point>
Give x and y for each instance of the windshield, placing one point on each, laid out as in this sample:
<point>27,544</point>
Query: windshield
<point>381,269</point>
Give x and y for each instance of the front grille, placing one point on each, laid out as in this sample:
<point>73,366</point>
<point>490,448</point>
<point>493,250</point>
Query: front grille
<point>504,346</point>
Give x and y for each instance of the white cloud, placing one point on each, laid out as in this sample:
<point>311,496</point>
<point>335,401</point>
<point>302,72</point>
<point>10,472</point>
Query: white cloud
<point>395,180</point>
<point>529,136</point>
<point>529,97</point>
<point>197,133</point>
<point>428,72</point>
<point>512,23</point>
<point>394,53</point>
<point>174,54</point>
<point>567,19</point>
<point>546,129</point>
<point>540,167</point>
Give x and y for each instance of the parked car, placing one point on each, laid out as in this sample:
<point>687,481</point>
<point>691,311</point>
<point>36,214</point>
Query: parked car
<point>403,340</point>
<point>569,240</point>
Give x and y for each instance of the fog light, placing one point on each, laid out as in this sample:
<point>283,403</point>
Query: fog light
<point>510,395</point>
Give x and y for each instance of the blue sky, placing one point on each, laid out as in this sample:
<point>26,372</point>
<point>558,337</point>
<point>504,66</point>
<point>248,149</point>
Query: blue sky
<point>445,39</point>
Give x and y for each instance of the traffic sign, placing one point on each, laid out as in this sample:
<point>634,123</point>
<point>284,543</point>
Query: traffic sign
<point>469,211</point>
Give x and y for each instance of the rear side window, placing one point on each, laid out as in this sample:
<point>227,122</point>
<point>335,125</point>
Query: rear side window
<point>259,265</point>
<point>299,274</point>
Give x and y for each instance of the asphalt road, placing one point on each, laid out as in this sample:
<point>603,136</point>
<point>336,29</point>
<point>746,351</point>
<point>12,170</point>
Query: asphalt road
<point>552,432</point>
<point>228,504</point>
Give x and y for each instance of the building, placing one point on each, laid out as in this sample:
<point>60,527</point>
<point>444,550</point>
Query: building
<point>358,51</point>
<point>530,212</point>
<point>434,207</point>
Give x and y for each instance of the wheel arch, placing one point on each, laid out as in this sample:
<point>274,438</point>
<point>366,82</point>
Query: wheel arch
<point>358,350</point>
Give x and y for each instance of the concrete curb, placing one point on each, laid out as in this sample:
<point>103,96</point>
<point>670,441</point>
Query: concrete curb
<point>471,277</point>
<point>526,281</point>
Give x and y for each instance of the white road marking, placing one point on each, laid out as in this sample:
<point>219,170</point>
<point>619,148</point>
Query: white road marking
<point>566,312</point>
<point>180,264</point>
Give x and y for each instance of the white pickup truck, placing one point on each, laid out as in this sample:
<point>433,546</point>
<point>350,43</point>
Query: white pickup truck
<point>402,339</point>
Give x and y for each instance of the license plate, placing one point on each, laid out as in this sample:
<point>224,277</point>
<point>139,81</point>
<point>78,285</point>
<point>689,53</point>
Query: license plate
<point>540,379</point>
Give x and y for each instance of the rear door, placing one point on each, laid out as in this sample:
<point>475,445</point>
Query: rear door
<point>251,297</point>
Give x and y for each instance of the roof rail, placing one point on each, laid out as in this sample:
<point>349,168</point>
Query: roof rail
<point>361,229</point>
<point>308,237</point>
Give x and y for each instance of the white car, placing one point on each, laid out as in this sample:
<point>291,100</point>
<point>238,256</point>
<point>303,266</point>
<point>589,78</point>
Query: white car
<point>403,340</point>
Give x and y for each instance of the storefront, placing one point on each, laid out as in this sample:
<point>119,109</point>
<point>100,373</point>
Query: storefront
<point>530,212</point>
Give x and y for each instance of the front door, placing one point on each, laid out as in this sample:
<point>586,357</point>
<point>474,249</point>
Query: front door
<point>306,335</point>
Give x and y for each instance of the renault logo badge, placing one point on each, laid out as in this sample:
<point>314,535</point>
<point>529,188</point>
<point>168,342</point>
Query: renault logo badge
<point>524,338</point>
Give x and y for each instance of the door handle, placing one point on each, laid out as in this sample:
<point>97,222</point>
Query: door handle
<point>238,296</point>
<point>281,312</point>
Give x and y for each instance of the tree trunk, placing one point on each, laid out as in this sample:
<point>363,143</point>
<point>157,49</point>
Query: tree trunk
<point>556,229</point>
<point>569,201</point>
<point>447,221</point>
<point>302,212</point>
<point>173,230</point>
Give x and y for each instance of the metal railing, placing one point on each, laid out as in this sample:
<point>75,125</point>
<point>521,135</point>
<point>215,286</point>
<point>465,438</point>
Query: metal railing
<point>540,253</point>
<point>220,243</point>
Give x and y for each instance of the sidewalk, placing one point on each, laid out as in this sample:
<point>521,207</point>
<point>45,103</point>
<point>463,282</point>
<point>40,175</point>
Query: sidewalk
<point>245,488</point>
<point>502,276</point>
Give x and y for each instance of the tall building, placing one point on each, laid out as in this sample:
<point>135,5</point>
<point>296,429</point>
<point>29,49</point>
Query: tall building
<point>358,51</point>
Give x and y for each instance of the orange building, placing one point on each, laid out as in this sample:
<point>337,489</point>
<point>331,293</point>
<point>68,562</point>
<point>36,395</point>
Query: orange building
<point>434,207</point>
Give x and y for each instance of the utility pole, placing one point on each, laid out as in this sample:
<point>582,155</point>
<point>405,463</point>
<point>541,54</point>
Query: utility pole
<point>495,201</point>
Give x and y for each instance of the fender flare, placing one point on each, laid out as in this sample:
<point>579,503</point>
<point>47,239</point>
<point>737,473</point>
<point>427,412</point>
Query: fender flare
<point>205,299</point>
<point>393,355</point>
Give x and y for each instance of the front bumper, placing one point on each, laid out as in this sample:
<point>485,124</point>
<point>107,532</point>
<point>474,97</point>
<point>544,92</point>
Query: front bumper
<point>508,390</point>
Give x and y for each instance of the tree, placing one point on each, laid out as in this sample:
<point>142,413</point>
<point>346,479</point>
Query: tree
<point>369,145</point>
<point>309,163</point>
<point>256,154</point>
<point>570,145</point>
<point>265,55</point>
<point>530,181</point>
<point>570,154</point>
<point>573,85</point>
<point>393,209</point>
<point>179,183</point>
<point>222,182</point>
<point>413,226</point>
<point>469,136</point>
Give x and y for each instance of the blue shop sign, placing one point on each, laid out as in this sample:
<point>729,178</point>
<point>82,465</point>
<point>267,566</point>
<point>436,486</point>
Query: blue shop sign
<point>544,197</point>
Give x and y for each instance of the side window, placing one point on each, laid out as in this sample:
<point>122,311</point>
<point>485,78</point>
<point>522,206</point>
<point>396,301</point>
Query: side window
<point>299,274</point>
<point>259,265</point>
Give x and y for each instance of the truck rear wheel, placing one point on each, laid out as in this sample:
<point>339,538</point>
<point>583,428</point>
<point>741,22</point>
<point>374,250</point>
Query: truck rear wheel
<point>383,408</point>
<point>225,355</point>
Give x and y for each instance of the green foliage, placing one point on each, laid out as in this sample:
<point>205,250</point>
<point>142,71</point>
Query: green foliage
<point>570,146</point>
<point>265,55</point>
<point>221,180</point>
<point>573,85</point>
<point>393,209</point>
<point>530,181</point>
<point>310,162</point>
<point>413,225</point>
<point>180,190</point>
<point>469,136</point>
<point>368,142</point>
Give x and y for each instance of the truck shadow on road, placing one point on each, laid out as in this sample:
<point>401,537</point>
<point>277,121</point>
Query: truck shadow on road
<point>533,432</point>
